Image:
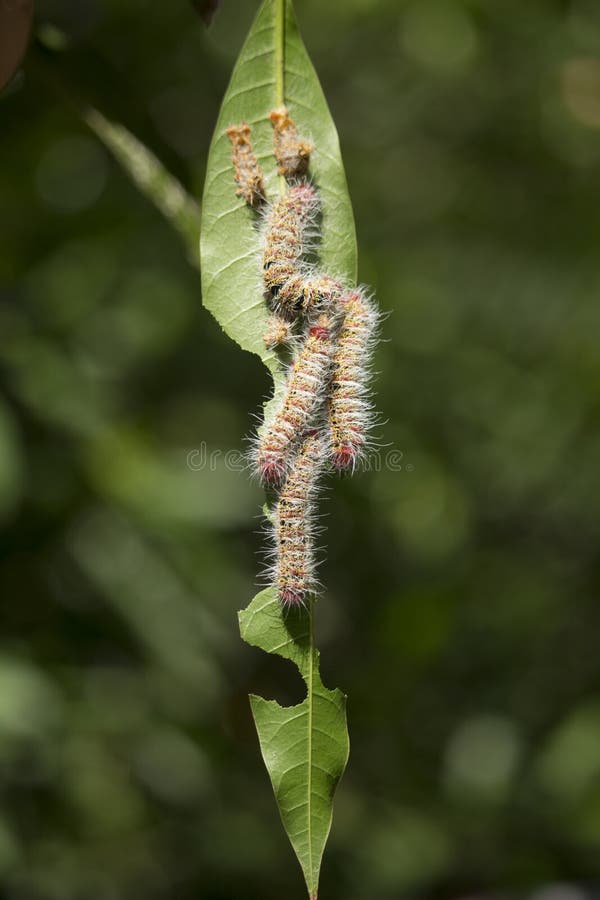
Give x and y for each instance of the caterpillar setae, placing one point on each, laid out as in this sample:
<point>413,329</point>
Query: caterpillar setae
<point>279,331</point>
<point>350,409</point>
<point>287,237</point>
<point>304,392</point>
<point>293,287</point>
<point>291,152</point>
<point>321,292</point>
<point>294,569</point>
<point>247,172</point>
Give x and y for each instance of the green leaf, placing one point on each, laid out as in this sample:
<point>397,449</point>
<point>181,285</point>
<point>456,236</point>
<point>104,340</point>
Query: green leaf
<point>272,68</point>
<point>305,747</point>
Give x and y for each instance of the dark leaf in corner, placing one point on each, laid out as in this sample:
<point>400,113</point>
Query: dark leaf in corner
<point>15,27</point>
<point>206,9</point>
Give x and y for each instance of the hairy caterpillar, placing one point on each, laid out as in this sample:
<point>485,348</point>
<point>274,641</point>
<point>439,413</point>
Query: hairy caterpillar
<point>279,331</point>
<point>304,392</point>
<point>287,234</point>
<point>247,172</point>
<point>291,152</point>
<point>293,287</point>
<point>293,571</point>
<point>320,292</point>
<point>287,228</point>
<point>350,409</point>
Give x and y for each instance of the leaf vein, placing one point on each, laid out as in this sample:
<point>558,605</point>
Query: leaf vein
<point>249,88</point>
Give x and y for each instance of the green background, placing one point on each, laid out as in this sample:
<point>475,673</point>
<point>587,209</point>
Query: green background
<point>462,573</point>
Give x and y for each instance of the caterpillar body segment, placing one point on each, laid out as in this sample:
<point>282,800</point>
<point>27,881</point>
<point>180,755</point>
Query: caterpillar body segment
<point>350,408</point>
<point>306,295</point>
<point>247,172</point>
<point>291,152</point>
<point>287,235</point>
<point>294,570</point>
<point>321,293</point>
<point>303,395</point>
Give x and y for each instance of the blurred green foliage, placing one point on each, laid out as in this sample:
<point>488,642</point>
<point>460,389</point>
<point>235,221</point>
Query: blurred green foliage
<point>461,611</point>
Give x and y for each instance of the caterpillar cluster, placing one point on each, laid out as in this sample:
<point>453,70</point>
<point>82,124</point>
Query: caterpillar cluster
<point>325,414</point>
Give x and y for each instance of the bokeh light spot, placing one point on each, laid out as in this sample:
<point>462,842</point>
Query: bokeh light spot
<point>481,756</point>
<point>71,174</point>
<point>439,34</point>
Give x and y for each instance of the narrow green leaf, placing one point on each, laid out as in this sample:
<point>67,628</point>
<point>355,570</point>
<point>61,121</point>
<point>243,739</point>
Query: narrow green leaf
<point>151,177</point>
<point>305,747</point>
<point>272,68</point>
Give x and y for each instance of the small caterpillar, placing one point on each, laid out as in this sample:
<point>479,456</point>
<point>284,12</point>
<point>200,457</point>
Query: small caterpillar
<point>287,233</point>
<point>304,391</point>
<point>291,152</point>
<point>293,524</point>
<point>350,409</point>
<point>291,286</point>
<point>247,172</point>
<point>279,331</point>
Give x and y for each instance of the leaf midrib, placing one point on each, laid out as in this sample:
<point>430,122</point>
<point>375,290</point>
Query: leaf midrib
<point>280,101</point>
<point>280,67</point>
<point>310,716</point>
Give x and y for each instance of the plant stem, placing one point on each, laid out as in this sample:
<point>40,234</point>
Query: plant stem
<point>142,166</point>
<point>310,691</point>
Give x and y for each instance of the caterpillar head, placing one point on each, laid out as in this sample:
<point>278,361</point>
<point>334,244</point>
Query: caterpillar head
<point>291,596</point>
<point>291,151</point>
<point>320,332</point>
<point>344,457</point>
<point>247,172</point>
<point>271,470</point>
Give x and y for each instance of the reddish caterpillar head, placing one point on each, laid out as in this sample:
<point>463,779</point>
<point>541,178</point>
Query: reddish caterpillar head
<point>291,596</point>
<point>273,453</point>
<point>321,331</point>
<point>271,470</point>
<point>291,151</point>
<point>344,457</point>
<point>247,173</point>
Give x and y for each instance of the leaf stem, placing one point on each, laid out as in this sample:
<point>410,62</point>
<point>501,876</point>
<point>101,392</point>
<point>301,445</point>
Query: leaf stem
<point>142,166</point>
<point>310,687</point>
